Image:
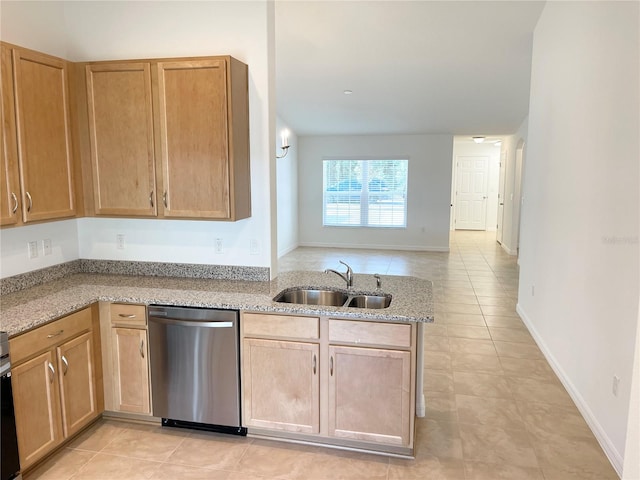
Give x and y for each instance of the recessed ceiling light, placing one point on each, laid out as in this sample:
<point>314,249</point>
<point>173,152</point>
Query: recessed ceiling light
<point>348,92</point>
<point>478,139</point>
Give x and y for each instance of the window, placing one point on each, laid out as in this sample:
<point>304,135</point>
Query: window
<point>365,193</point>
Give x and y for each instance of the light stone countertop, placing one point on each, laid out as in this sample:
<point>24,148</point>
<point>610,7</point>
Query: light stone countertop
<point>27,309</point>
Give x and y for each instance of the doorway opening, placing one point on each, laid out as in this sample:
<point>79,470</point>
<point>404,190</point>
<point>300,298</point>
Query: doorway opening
<point>475,184</point>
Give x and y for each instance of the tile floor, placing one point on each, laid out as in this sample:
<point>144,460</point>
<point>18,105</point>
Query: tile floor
<point>495,409</point>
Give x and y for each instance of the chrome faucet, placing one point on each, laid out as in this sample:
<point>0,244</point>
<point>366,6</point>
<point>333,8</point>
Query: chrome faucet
<point>347,276</point>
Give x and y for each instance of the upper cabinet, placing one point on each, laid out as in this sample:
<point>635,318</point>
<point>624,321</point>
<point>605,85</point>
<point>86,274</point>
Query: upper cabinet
<point>170,138</point>
<point>9,176</point>
<point>120,115</point>
<point>154,138</point>
<point>44,135</point>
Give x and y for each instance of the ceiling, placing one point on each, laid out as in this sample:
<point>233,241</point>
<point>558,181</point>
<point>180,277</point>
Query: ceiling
<point>414,66</point>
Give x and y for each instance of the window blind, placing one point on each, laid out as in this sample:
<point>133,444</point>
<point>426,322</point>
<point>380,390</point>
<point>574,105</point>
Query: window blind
<point>365,193</point>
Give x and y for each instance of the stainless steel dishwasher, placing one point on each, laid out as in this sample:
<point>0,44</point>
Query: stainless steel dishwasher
<point>195,367</point>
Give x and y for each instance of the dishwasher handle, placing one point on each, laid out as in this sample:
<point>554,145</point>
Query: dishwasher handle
<point>187,323</point>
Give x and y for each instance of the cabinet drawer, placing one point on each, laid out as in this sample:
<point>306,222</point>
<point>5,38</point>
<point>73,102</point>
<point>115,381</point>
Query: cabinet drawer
<point>289,326</point>
<point>370,333</point>
<point>127,314</point>
<point>49,335</point>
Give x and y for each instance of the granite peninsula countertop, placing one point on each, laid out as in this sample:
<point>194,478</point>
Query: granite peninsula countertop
<point>32,307</point>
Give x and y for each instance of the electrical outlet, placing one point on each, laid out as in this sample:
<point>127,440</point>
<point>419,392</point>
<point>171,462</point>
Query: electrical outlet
<point>120,241</point>
<point>254,247</point>
<point>32,249</point>
<point>615,385</point>
<point>218,247</point>
<point>46,246</point>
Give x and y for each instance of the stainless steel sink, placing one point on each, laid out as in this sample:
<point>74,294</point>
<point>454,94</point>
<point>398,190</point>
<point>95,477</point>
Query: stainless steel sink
<point>370,301</point>
<point>307,296</point>
<point>332,298</point>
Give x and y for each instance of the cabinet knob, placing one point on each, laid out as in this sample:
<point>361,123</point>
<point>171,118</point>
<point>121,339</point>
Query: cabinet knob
<point>30,204</point>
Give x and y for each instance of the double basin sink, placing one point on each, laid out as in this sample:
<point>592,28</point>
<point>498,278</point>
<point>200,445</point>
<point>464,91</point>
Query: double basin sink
<point>332,298</point>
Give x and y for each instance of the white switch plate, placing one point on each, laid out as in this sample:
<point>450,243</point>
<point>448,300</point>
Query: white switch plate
<point>32,249</point>
<point>615,385</point>
<point>120,241</point>
<point>254,247</point>
<point>46,246</point>
<point>218,247</point>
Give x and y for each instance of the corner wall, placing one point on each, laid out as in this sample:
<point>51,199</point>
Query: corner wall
<point>513,192</point>
<point>287,195</point>
<point>579,244</point>
<point>428,195</point>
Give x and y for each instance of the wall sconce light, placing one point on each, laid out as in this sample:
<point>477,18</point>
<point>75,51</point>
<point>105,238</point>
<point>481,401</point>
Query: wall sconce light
<point>478,139</point>
<point>285,143</point>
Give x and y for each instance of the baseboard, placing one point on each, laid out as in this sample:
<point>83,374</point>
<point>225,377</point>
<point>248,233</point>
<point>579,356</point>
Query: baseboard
<point>508,250</point>
<point>603,439</point>
<point>412,248</point>
<point>287,250</point>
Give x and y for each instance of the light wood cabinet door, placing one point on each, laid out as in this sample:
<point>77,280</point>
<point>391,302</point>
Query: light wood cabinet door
<point>9,186</point>
<point>77,383</point>
<point>281,385</point>
<point>192,98</point>
<point>121,136</point>
<point>44,136</point>
<point>37,407</point>
<point>131,370</point>
<point>370,394</point>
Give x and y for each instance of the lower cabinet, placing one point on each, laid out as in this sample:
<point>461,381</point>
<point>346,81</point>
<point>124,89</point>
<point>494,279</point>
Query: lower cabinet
<point>351,385</point>
<point>54,384</point>
<point>131,370</point>
<point>126,358</point>
<point>36,397</point>
<point>370,395</point>
<point>281,385</point>
<point>77,383</point>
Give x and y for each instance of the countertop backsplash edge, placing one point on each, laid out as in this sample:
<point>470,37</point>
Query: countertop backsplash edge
<point>119,267</point>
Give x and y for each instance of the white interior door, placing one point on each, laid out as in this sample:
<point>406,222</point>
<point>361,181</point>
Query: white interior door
<point>501,185</point>
<point>471,193</point>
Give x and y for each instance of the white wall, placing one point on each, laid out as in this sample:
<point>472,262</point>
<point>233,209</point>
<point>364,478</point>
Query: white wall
<point>513,191</point>
<point>579,244</point>
<point>129,29</point>
<point>463,147</point>
<point>428,194</point>
<point>13,241</point>
<point>179,241</point>
<point>287,184</point>
<point>38,25</point>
